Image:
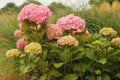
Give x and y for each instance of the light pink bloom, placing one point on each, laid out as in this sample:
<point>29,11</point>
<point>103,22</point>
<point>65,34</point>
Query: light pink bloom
<point>21,43</point>
<point>17,33</point>
<point>36,13</point>
<point>53,31</point>
<point>67,40</point>
<point>71,22</point>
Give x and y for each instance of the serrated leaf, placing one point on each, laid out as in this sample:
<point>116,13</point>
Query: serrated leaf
<point>90,77</point>
<point>57,65</point>
<point>43,55</point>
<point>99,78</point>
<point>118,75</point>
<point>43,77</point>
<point>106,77</point>
<point>43,66</point>
<point>102,60</point>
<point>70,77</point>
<point>89,45</point>
<point>79,56</point>
<point>90,54</point>
<point>116,52</point>
<point>98,72</point>
<point>55,73</point>
<point>28,68</point>
<point>36,59</point>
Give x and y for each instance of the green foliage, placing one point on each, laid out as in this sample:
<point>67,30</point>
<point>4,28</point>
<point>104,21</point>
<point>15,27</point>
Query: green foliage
<point>7,26</point>
<point>28,2</point>
<point>95,21</point>
<point>59,8</point>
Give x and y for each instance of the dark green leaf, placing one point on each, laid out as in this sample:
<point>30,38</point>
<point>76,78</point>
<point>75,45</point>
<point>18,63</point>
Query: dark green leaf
<point>118,75</point>
<point>28,68</point>
<point>55,73</point>
<point>43,77</point>
<point>91,54</point>
<point>105,77</point>
<point>99,78</point>
<point>102,60</point>
<point>43,55</point>
<point>90,77</point>
<point>79,56</point>
<point>43,66</point>
<point>70,77</point>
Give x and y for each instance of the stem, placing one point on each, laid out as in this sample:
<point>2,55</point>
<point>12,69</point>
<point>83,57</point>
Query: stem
<point>106,47</point>
<point>36,34</point>
<point>65,66</point>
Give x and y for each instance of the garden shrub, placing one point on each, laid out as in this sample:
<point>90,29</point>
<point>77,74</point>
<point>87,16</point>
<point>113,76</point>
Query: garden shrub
<point>65,50</point>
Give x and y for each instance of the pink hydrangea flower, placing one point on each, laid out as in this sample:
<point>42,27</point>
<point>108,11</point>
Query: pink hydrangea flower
<point>17,33</point>
<point>36,13</point>
<point>71,22</point>
<point>53,31</point>
<point>21,43</point>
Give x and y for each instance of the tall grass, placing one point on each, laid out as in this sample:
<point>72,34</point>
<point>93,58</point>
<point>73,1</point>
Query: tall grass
<point>8,23</point>
<point>95,20</point>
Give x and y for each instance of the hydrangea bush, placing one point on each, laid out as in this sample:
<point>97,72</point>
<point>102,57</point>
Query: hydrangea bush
<point>65,50</point>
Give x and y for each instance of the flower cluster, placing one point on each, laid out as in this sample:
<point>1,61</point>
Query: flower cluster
<point>71,22</point>
<point>12,53</point>
<point>33,47</point>
<point>36,13</point>
<point>21,43</point>
<point>67,40</point>
<point>17,33</point>
<point>116,41</point>
<point>53,31</point>
<point>96,42</point>
<point>108,31</point>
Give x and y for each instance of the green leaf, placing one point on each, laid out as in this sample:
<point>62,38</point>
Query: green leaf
<point>55,73</point>
<point>28,68</point>
<point>98,72</point>
<point>76,50</point>
<point>43,55</point>
<point>36,59</point>
<point>70,77</point>
<point>116,52</point>
<point>22,55</point>
<point>55,50</point>
<point>99,78</point>
<point>82,67</point>
<point>106,77</point>
<point>90,77</point>
<point>89,46</point>
<point>43,66</point>
<point>79,56</point>
<point>118,75</point>
<point>57,65</point>
<point>91,54</point>
<point>43,77</point>
<point>102,60</point>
